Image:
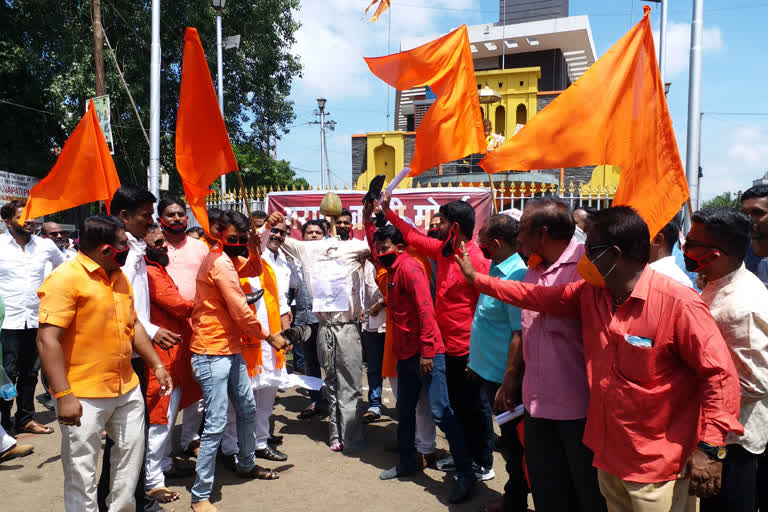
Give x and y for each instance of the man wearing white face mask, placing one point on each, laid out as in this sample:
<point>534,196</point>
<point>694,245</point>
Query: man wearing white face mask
<point>650,344</point>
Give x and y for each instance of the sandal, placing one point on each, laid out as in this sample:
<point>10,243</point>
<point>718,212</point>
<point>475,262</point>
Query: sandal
<point>164,495</point>
<point>310,411</point>
<point>179,470</point>
<point>272,454</point>
<point>259,473</point>
<point>370,417</point>
<point>34,427</point>
<point>337,447</point>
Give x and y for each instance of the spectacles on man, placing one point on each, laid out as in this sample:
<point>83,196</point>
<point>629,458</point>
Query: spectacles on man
<point>277,231</point>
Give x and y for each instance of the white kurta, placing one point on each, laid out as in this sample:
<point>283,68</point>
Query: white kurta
<point>269,377</point>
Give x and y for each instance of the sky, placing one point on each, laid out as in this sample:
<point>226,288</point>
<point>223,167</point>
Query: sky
<point>334,38</point>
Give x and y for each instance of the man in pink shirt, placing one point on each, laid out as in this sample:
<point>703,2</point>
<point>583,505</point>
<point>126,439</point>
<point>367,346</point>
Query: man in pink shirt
<point>555,389</point>
<point>664,389</point>
<point>185,254</point>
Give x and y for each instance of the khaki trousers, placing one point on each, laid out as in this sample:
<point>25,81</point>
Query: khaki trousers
<point>623,496</point>
<point>123,419</point>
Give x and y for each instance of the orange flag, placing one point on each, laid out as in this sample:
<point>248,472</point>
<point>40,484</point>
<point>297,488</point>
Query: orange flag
<point>452,128</point>
<point>615,114</point>
<point>203,150</point>
<point>84,172</point>
<point>383,6</point>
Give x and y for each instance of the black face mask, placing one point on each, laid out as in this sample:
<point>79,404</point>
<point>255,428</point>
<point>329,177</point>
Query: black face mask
<point>159,257</point>
<point>388,258</point>
<point>234,250</point>
<point>119,257</point>
<point>381,220</point>
<point>174,230</point>
<point>433,233</point>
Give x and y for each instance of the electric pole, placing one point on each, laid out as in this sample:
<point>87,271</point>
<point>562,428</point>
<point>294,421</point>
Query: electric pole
<point>98,47</point>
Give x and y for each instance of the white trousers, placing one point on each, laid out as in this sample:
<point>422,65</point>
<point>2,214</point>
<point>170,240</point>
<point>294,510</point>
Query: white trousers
<point>265,402</point>
<point>6,441</point>
<point>425,425</point>
<point>123,419</point>
<point>190,423</point>
<point>159,444</point>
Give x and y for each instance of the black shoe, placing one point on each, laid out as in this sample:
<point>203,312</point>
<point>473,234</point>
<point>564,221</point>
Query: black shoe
<point>275,440</point>
<point>229,462</point>
<point>270,453</point>
<point>462,489</point>
<point>46,401</point>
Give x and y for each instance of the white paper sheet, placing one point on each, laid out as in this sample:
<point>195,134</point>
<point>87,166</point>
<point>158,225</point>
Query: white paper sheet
<point>329,288</point>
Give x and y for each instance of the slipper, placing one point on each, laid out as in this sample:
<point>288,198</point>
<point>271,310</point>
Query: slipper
<point>164,495</point>
<point>337,447</point>
<point>34,427</point>
<point>258,473</point>
<point>370,417</point>
<point>179,471</point>
<point>308,412</point>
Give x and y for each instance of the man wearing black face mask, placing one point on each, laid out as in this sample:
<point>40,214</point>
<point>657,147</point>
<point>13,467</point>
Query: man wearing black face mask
<point>23,259</point>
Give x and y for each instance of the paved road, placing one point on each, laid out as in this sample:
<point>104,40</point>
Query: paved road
<point>313,479</point>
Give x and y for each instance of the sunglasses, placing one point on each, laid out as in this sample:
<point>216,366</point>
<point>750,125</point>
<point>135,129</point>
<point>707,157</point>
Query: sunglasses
<point>276,231</point>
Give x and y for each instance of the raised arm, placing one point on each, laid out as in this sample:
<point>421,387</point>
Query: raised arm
<point>428,246</point>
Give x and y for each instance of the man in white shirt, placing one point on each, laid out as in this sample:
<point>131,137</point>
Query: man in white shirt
<point>135,207</point>
<point>23,257</point>
<point>715,247</point>
<point>661,259</point>
<point>55,233</point>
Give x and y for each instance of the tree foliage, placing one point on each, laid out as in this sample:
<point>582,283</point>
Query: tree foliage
<point>47,64</point>
<point>260,169</point>
<point>724,200</point>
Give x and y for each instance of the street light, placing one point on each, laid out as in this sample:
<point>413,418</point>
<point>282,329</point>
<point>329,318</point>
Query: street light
<point>219,5</point>
<point>321,103</point>
<point>323,148</point>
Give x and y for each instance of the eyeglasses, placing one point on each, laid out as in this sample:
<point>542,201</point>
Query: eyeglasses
<point>276,231</point>
<point>589,250</point>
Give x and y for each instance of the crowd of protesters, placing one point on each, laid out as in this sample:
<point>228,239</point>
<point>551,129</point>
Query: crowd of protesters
<point>633,365</point>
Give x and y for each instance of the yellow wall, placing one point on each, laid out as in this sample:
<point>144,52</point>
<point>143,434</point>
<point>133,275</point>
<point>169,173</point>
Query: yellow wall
<point>517,87</point>
<point>605,176</point>
<point>385,155</point>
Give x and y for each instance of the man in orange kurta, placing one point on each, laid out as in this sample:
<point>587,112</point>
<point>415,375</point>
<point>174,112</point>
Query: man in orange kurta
<point>168,309</point>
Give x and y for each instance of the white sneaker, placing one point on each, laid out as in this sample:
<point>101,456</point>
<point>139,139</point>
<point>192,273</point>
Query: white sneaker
<point>389,474</point>
<point>483,474</point>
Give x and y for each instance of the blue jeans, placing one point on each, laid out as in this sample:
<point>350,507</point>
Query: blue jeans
<point>222,377</point>
<point>409,382</point>
<point>374,354</point>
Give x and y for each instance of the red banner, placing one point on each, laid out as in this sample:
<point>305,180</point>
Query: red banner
<point>418,204</point>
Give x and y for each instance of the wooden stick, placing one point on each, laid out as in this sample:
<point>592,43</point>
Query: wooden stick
<point>245,199</point>
<point>493,193</point>
<point>690,208</point>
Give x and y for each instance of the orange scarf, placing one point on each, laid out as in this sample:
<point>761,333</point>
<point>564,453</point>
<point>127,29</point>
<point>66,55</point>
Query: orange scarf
<point>252,354</point>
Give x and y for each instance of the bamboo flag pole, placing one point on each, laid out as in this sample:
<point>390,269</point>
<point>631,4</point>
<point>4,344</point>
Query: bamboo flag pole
<point>245,199</point>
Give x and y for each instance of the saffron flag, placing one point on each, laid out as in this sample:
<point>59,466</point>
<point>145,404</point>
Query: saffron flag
<point>203,150</point>
<point>83,173</point>
<point>383,6</point>
<point>616,114</point>
<point>452,128</point>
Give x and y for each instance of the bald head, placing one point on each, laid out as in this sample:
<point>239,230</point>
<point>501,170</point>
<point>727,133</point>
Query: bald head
<point>53,231</point>
<point>580,217</point>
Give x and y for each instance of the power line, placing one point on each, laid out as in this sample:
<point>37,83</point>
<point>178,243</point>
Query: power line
<point>28,108</point>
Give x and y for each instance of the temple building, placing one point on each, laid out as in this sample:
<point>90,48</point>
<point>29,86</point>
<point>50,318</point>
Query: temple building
<point>522,62</point>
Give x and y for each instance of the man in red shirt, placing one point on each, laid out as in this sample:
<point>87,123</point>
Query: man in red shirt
<point>660,375</point>
<point>420,354</point>
<point>455,303</point>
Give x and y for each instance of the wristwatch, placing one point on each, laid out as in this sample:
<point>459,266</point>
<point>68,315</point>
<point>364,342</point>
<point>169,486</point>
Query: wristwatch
<point>717,453</point>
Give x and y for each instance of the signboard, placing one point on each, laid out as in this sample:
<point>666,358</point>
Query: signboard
<point>101,103</point>
<point>418,204</point>
<point>14,186</point>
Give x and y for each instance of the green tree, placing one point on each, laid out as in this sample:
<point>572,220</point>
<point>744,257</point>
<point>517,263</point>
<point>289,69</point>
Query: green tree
<point>46,64</point>
<point>724,200</point>
<point>259,169</point>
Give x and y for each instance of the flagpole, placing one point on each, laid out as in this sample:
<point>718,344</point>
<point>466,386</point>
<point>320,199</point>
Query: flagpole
<point>154,104</point>
<point>663,41</point>
<point>693,143</point>
<point>220,78</point>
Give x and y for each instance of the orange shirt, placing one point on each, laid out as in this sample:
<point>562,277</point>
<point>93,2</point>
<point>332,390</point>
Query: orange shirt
<point>97,312</point>
<point>221,316</point>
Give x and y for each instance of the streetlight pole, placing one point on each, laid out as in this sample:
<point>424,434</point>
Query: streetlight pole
<point>154,103</point>
<point>219,5</point>
<point>321,108</point>
<point>693,143</point>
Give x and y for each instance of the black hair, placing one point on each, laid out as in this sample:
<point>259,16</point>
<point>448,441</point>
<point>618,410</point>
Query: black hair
<point>503,227</point>
<point>130,198</point>
<point>196,229</point>
<point>345,213</point>
<point>8,210</point>
<point>389,232</point>
<point>623,227</point>
<point>755,192</point>
<point>259,214</point>
<point>314,222</point>
<point>553,214</point>
<point>462,213</point>
<point>233,218</point>
<point>729,226</point>
<point>214,214</point>
<point>98,230</point>
<point>671,232</point>
<point>168,201</point>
